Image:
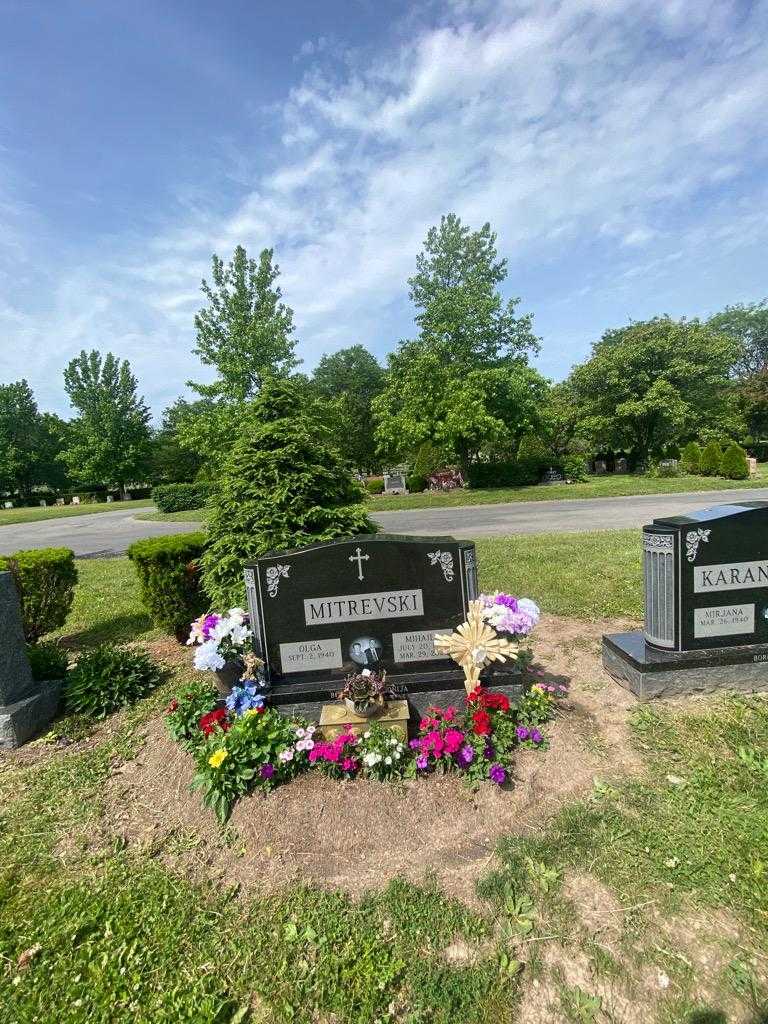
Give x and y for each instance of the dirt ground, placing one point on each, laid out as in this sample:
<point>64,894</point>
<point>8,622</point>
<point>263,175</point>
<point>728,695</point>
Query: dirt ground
<point>358,835</point>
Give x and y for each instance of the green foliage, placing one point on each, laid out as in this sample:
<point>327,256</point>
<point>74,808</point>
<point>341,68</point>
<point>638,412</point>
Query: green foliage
<point>664,468</point>
<point>748,325</point>
<point>109,442</point>
<point>522,473</point>
<point>45,579</point>
<point>19,429</point>
<point>47,660</point>
<point>382,754</point>
<point>375,485</point>
<point>183,714</point>
<point>532,447</point>
<point>108,678</point>
<point>428,459</point>
<point>169,583</point>
<point>650,384</point>
<point>346,382</point>
<point>690,458</point>
<point>246,331</point>
<point>173,460</point>
<point>229,763</point>
<point>733,464</point>
<point>180,497</point>
<point>711,459</point>
<point>283,485</point>
<point>575,468</point>
<point>415,484</point>
<point>463,385</point>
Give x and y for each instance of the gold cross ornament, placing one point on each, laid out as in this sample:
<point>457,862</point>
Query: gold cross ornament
<point>474,645</point>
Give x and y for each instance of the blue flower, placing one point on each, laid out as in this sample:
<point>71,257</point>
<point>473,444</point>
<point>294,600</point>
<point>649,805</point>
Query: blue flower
<point>245,698</point>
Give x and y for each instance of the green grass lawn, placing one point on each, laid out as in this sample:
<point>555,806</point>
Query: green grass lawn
<point>10,516</point>
<point>595,487</point>
<point>95,929</point>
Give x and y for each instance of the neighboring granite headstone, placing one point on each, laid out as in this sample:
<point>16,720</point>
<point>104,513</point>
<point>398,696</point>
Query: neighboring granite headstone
<point>377,602</point>
<point>26,706</point>
<point>552,476</point>
<point>394,483</point>
<point>706,605</point>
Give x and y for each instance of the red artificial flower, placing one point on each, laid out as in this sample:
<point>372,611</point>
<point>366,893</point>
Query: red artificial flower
<point>172,707</point>
<point>209,721</point>
<point>496,702</point>
<point>481,723</point>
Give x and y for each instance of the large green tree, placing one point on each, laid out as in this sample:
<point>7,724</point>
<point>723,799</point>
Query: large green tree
<point>748,325</point>
<point>463,383</point>
<point>109,441</point>
<point>178,454</point>
<point>19,438</point>
<point>282,485</point>
<point>346,383</point>
<point>245,331</point>
<point>655,383</point>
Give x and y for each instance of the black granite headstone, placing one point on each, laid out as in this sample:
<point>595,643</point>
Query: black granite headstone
<point>323,611</point>
<point>706,603</point>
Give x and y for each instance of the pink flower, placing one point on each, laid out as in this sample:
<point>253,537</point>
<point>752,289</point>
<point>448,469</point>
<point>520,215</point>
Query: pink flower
<point>433,741</point>
<point>449,714</point>
<point>453,740</point>
<point>349,764</point>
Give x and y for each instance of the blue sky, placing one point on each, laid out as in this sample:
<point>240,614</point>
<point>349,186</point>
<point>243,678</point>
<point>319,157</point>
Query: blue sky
<point>618,147</point>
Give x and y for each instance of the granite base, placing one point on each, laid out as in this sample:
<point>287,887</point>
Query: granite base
<point>650,673</point>
<point>23,720</point>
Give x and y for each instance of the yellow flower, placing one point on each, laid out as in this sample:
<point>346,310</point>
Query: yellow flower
<point>537,688</point>
<point>216,759</point>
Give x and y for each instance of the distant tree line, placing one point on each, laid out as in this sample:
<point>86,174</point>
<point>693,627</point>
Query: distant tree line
<point>460,392</point>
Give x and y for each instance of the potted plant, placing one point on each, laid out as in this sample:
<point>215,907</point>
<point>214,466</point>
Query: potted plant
<point>221,641</point>
<point>365,693</point>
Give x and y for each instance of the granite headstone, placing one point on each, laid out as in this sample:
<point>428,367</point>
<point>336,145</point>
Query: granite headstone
<point>26,706</point>
<point>706,605</point>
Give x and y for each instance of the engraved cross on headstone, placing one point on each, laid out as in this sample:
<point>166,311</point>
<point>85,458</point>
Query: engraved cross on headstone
<point>359,557</point>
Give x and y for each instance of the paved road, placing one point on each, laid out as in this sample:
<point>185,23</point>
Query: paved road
<point>110,533</point>
<point>104,533</point>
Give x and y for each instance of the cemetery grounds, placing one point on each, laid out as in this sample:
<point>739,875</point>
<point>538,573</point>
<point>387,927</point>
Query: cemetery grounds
<point>622,878</point>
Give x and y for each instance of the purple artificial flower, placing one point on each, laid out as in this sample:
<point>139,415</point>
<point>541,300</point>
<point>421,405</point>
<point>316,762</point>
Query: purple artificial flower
<point>497,774</point>
<point>522,733</point>
<point>536,736</point>
<point>267,771</point>
<point>507,600</point>
<point>421,762</point>
<point>210,622</point>
<point>466,755</point>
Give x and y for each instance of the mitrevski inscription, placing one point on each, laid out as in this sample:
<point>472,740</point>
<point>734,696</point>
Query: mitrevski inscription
<point>356,608</point>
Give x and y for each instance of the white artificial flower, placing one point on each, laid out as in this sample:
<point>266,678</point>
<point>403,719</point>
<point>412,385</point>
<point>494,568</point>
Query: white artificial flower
<point>207,657</point>
<point>237,615</point>
<point>529,608</point>
<point>220,630</point>
<point>239,635</point>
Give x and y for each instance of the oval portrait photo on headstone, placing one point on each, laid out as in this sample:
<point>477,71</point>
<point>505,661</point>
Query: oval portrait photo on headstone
<point>366,651</point>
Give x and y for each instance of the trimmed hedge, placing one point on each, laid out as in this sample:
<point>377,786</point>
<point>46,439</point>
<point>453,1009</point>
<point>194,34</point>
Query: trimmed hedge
<point>45,580</point>
<point>522,473</point>
<point>180,497</point>
<point>169,579</point>
<point>416,484</point>
<point>690,458</point>
<point>711,458</point>
<point>375,485</point>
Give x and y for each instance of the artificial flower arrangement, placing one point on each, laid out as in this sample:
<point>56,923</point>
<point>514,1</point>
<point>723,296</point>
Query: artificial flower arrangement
<point>513,617</point>
<point>241,748</point>
<point>219,638</point>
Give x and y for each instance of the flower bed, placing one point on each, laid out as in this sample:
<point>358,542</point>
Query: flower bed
<point>240,748</point>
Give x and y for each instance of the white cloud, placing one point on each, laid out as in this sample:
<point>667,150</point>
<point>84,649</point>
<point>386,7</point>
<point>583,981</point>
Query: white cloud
<point>583,122</point>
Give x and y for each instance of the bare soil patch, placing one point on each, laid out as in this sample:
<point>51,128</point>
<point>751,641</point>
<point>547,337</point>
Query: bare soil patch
<point>358,835</point>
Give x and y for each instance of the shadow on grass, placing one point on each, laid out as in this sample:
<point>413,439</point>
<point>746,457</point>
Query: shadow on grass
<point>115,630</point>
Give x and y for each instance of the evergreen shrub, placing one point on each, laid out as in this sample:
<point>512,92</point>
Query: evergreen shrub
<point>108,678</point>
<point>711,458</point>
<point>180,497</point>
<point>169,579</point>
<point>575,468</point>
<point>523,473</point>
<point>416,484</point>
<point>734,463</point>
<point>375,485</point>
<point>45,580</point>
<point>690,458</point>
<point>283,485</point>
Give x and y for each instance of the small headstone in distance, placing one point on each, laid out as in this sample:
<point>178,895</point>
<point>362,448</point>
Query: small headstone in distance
<point>26,707</point>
